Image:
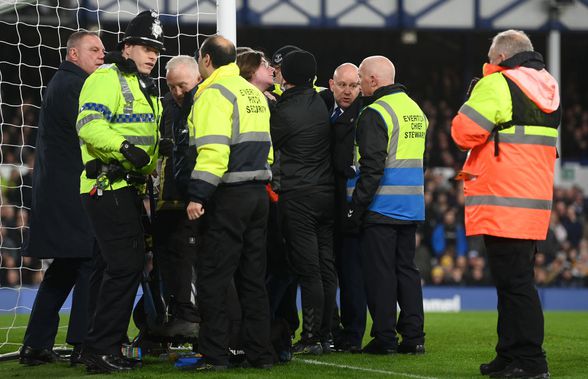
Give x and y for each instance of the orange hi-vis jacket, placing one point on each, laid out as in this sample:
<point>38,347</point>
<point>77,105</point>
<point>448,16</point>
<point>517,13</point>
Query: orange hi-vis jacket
<point>508,192</point>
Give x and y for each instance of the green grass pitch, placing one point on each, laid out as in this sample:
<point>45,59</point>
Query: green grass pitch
<point>456,344</point>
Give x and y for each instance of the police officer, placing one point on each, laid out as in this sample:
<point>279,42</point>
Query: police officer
<point>509,124</point>
<point>387,202</point>
<point>229,124</point>
<point>117,127</point>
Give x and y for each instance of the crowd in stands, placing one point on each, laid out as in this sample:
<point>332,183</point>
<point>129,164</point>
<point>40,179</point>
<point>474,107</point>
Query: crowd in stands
<point>444,255</point>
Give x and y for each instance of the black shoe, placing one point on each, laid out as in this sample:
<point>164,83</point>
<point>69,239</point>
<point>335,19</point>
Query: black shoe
<point>305,347</point>
<point>203,365</point>
<point>411,349</point>
<point>344,346</point>
<point>497,364</point>
<point>33,357</point>
<point>513,371</point>
<point>328,346</point>
<point>100,364</point>
<point>376,347</point>
<point>76,356</point>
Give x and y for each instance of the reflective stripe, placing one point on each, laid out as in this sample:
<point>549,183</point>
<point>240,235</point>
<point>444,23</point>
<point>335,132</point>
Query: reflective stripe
<point>400,190</point>
<point>404,163</point>
<point>253,137</point>
<point>242,176</point>
<point>141,140</point>
<point>512,202</point>
<point>87,119</point>
<point>391,161</point>
<point>477,117</point>
<point>106,112</point>
<point>131,118</point>
<point>519,137</point>
<point>233,100</point>
<point>394,190</point>
<point>206,177</point>
<point>126,92</point>
<point>206,140</point>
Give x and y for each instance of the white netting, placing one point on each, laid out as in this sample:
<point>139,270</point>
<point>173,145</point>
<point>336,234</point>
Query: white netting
<point>33,36</point>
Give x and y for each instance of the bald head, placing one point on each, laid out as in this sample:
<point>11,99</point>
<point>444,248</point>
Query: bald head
<point>375,72</point>
<point>345,84</point>
<point>216,51</point>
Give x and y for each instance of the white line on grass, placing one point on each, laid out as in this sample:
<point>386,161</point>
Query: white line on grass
<point>313,362</point>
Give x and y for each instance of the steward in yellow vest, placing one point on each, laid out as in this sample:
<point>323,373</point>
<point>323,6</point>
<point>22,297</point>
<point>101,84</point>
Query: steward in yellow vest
<point>229,125</point>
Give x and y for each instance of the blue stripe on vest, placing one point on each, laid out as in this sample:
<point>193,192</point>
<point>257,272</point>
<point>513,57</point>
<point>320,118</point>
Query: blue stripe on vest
<point>98,108</point>
<point>403,177</point>
<point>135,117</point>
<point>400,207</point>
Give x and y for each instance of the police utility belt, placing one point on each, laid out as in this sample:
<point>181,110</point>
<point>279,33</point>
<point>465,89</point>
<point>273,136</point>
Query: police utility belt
<point>108,173</point>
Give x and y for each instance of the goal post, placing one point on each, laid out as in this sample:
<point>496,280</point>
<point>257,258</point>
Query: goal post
<point>33,36</point>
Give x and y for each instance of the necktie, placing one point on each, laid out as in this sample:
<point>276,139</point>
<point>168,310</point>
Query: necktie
<point>336,114</point>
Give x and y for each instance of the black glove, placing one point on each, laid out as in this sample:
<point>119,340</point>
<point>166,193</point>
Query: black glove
<point>138,157</point>
<point>166,147</point>
<point>353,220</point>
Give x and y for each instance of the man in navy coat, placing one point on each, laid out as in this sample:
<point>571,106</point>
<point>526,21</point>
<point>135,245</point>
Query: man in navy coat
<point>59,228</point>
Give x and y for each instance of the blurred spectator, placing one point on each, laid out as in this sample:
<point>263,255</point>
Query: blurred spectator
<point>449,235</point>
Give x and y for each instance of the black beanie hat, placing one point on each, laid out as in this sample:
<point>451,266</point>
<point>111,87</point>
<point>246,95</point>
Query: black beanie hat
<point>281,53</point>
<point>299,67</point>
<point>144,29</point>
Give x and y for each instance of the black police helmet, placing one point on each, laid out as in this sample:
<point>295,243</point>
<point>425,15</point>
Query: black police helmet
<point>144,29</point>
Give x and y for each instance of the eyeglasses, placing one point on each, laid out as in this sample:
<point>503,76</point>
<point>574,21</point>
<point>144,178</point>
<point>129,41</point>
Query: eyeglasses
<point>344,85</point>
<point>265,63</point>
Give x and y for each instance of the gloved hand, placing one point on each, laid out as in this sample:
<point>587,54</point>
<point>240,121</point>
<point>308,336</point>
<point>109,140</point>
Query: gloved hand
<point>138,157</point>
<point>353,222</point>
<point>166,147</point>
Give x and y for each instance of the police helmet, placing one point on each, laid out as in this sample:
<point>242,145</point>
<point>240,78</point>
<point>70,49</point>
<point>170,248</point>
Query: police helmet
<point>144,29</point>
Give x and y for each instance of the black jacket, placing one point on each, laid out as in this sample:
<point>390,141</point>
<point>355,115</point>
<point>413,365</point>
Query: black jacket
<point>301,134</point>
<point>59,228</point>
<point>342,146</point>
<point>177,168</point>
<point>372,139</point>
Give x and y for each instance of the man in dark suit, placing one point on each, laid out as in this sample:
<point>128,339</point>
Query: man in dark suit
<point>59,229</point>
<point>344,103</point>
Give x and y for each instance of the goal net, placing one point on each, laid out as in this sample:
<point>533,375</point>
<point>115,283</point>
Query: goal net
<point>33,37</point>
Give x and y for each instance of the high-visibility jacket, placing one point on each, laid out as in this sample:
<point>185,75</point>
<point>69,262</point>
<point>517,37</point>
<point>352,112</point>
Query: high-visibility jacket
<point>114,109</point>
<point>230,126</point>
<point>509,195</point>
<point>400,194</point>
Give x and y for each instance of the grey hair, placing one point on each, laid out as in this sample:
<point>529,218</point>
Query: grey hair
<point>182,60</point>
<point>76,37</point>
<point>511,42</point>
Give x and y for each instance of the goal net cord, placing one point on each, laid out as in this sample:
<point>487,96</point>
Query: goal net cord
<point>32,45</point>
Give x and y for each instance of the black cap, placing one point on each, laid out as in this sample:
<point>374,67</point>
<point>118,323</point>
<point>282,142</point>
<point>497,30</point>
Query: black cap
<point>299,67</point>
<point>144,29</point>
<point>281,53</point>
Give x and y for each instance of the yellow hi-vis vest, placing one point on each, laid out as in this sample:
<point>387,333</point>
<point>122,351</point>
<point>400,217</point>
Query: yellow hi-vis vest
<point>230,126</point>
<point>400,194</point>
<point>113,109</point>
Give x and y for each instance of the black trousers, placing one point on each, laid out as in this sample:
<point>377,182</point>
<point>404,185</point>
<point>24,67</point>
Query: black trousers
<point>62,275</point>
<point>390,276</point>
<point>520,317</point>
<point>176,240</point>
<point>352,297</point>
<point>116,220</point>
<point>234,247</point>
<point>307,223</point>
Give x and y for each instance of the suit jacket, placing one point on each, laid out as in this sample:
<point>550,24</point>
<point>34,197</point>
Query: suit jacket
<point>59,227</point>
